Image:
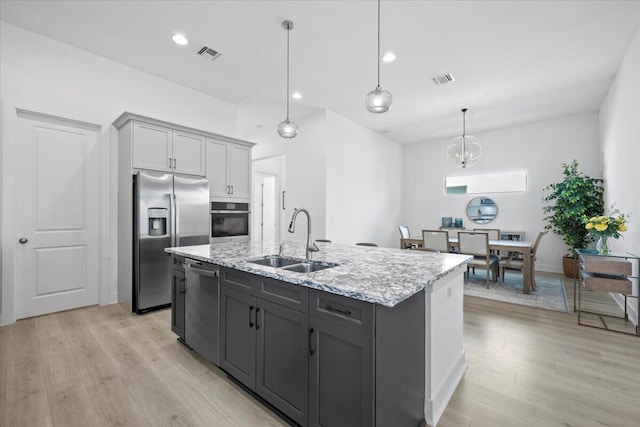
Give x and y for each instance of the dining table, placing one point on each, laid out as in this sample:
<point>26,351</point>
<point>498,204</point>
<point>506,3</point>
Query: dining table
<point>508,246</point>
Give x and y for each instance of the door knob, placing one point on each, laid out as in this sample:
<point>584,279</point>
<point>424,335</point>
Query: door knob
<point>23,240</point>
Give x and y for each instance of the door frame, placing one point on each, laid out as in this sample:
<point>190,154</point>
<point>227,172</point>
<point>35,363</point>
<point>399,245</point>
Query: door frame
<point>8,138</point>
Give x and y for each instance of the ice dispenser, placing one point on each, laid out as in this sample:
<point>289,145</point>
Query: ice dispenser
<point>158,221</point>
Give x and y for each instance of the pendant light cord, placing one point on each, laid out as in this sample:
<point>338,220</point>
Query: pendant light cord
<point>464,131</point>
<point>288,30</point>
<point>378,43</point>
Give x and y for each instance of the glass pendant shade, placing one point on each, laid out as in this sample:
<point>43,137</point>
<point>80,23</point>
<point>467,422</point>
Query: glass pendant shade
<point>378,100</point>
<point>287,129</point>
<point>464,151</point>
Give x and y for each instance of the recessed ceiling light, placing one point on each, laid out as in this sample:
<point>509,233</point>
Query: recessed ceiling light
<point>389,57</point>
<point>296,95</point>
<point>180,39</point>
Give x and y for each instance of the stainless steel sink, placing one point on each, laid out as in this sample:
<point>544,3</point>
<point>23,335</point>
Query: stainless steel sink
<point>308,267</point>
<point>275,261</point>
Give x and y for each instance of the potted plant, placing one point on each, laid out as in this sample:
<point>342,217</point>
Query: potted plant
<point>569,202</point>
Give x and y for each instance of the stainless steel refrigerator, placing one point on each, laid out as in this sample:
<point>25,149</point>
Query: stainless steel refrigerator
<point>169,210</point>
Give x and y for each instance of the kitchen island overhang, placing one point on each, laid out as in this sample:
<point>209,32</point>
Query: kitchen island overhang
<point>386,278</point>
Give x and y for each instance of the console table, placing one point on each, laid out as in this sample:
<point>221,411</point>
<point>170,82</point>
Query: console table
<point>615,272</point>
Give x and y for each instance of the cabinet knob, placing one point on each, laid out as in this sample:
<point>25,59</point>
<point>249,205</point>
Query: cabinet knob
<point>23,240</point>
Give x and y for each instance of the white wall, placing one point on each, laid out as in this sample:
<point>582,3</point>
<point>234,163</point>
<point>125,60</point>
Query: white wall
<point>364,184</point>
<point>304,159</point>
<point>620,140</point>
<point>41,71</point>
<point>620,143</point>
<point>539,147</point>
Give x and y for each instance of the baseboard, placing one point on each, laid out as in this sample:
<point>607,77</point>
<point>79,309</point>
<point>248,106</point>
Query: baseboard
<point>433,409</point>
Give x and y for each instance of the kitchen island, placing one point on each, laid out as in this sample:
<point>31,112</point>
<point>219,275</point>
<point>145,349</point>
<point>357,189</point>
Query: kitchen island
<point>374,339</point>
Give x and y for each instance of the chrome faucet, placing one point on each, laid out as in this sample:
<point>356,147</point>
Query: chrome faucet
<point>311,247</point>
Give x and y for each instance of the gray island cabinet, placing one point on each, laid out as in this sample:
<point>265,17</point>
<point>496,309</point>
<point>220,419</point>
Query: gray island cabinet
<point>361,344</point>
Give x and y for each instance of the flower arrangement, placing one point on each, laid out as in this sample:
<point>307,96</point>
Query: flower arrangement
<point>606,226</point>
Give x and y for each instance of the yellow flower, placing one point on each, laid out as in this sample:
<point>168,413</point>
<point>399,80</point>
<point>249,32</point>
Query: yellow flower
<point>604,219</point>
<point>589,226</point>
<point>622,227</point>
<point>601,227</point>
<point>593,219</point>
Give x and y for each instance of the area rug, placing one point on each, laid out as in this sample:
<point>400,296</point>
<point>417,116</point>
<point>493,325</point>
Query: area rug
<point>549,293</point>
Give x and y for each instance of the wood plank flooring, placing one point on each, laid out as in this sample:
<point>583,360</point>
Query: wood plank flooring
<point>102,366</point>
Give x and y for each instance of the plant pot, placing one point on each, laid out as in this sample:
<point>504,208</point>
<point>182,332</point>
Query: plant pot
<point>569,266</point>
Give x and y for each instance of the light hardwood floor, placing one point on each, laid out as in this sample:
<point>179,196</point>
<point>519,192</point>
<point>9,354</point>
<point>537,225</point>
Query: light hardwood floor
<point>101,366</point>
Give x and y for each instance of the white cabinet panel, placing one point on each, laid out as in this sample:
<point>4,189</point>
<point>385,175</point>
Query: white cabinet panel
<point>152,147</point>
<point>239,171</point>
<point>188,153</point>
<point>217,154</point>
<point>228,169</point>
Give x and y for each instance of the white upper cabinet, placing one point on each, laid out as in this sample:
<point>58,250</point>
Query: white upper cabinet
<point>189,153</point>
<point>152,147</point>
<point>167,150</point>
<point>228,169</point>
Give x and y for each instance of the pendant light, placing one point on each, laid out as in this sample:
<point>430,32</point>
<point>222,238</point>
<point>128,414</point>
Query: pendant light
<point>465,150</point>
<point>378,100</point>
<point>287,128</point>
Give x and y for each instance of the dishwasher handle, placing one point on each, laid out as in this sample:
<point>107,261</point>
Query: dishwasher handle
<point>200,271</point>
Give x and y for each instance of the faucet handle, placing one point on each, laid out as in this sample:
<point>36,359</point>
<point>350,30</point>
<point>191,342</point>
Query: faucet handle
<point>313,247</point>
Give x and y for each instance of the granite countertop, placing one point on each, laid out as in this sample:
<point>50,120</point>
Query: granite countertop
<point>377,275</point>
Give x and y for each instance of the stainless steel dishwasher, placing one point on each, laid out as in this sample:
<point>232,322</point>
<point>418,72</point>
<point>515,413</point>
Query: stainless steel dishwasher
<point>202,308</point>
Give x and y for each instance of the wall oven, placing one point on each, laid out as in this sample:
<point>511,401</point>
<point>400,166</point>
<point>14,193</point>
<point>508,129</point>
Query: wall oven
<point>229,222</point>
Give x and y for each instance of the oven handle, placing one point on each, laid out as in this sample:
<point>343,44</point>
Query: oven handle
<point>233,212</point>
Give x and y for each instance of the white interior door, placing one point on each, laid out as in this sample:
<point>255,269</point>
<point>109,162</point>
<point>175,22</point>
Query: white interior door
<point>56,205</point>
<point>268,209</point>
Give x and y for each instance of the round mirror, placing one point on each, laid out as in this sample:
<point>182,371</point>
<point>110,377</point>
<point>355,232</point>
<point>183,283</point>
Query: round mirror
<point>482,210</point>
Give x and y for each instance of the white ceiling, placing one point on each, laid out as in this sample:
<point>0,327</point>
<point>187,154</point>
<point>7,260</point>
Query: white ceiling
<point>514,61</point>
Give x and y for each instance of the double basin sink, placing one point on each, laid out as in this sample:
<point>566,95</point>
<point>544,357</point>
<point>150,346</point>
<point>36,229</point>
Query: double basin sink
<point>292,264</point>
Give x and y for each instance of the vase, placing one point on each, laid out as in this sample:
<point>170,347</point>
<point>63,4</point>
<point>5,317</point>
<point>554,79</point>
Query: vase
<point>601,245</point>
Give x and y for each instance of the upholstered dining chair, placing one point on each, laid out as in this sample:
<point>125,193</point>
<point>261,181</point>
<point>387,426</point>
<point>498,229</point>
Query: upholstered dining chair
<point>494,233</point>
<point>404,234</point>
<point>366,244</point>
<point>515,263</point>
<point>477,244</point>
<point>436,239</point>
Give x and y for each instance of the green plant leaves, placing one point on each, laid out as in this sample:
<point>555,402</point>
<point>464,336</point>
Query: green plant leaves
<point>570,203</point>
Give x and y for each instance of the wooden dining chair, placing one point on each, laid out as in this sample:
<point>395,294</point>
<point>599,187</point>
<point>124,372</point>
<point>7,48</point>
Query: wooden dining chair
<point>477,244</point>
<point>367,244</point>
<point>494,233</point>
<point>516,263</point>
<point>404,234</point>
<point>436,239</point>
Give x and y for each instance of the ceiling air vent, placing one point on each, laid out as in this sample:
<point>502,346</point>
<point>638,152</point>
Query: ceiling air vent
<point>442,79</point>
<point>207,52</point>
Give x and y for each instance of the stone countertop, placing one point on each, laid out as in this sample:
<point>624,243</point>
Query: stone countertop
<point>377,275</point>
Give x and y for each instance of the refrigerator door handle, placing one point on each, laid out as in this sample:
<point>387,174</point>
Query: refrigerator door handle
<point>176,219</point>
<point>172,209</point>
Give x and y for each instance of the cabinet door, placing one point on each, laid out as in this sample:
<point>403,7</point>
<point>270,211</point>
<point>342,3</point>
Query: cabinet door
<point>240,171</point>
<point>217,172</point>
<point>188,153</point>
<point>282,376</point>
<point>177,301</point>
<point>152,147</point>
<point>341,376</point>
<point>237,335</point>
